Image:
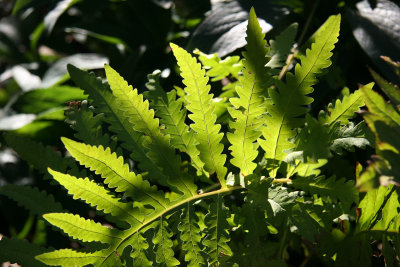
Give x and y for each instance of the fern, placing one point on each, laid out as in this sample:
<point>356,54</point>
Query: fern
<point>216,239</point>
<point>201,105</point>
<point>251,92</point>
<point>175,197</point>
<point>343,110</point>
<point>286,108</point>
<point>191,236</point>
<point>80,228</point>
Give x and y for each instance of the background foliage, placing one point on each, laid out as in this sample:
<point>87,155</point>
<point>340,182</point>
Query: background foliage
<point>38,38</point>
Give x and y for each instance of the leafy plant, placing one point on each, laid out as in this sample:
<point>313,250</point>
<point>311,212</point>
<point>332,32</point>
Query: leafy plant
<point>216,191</point>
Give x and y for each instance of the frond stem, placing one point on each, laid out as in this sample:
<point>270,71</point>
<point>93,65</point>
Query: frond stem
<point>282,180</point>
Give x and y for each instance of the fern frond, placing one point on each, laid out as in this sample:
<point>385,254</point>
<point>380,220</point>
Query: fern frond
<point>343,110</point>
<point>173,115</point>
<point>281,46</point>
<point>82,229</point>
<point>162,241</point>
<point>105,102</point>
<point>142,118</point>
<point>37,202</point>
<point>69,257</point>
<point>336,189</point>
<point>116,174</point>
<point>201,105</point>
<point>139,246</point>
<point>249,108</point>
<point>98,197</point>
<point>20,251</point>
<point>191,236</point>
<point>217,235</point>
<point>287,108</point>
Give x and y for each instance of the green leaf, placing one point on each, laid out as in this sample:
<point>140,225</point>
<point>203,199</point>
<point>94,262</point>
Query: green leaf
<point>20,251</point>
<point>82,229</point>
<point>162,241</point>
<point>191,236</point>
<point>37,202</point>
<point>287,108</point>
<point>348,137</point>
<point>217,235</point>
<point>172,115</point>
<point>249,108</point>
<point>98,197</point>
<point>139,246</point>
<point>343,110</point>
<point>142,119</point>
<point>69,257</point>
<point>202,107</point>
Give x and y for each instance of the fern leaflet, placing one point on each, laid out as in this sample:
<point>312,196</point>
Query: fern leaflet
<point>217,237</point>
<point>69,257</point>
<point>191,236</point>
<point>116,173</point>
<point>252,92</point>
<point>98,197</point>
<point>163,242</point>
<point>82,229</point>
<point>343,110</point>
<point>139,246</point>
<point>201,105</point>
